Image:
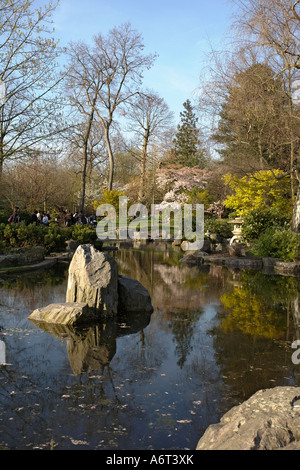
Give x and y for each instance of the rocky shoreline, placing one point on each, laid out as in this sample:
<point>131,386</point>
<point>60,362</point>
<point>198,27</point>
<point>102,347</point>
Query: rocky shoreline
<point>267,265</point>
<point>269,420</point>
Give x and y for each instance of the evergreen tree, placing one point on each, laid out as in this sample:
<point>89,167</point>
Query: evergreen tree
<point>188,150</point>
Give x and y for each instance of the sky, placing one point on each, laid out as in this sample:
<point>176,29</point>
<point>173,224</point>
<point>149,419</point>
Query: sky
<point>181,32</point>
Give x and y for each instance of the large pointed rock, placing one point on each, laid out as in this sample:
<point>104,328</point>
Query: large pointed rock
<point>93,279</point>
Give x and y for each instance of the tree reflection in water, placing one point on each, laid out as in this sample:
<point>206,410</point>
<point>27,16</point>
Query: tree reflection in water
<point>143,382</point>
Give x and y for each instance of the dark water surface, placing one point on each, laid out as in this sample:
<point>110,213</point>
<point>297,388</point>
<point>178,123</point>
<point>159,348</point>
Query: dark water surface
<point>214,339</point>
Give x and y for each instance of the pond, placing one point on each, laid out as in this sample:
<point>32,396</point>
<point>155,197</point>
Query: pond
<point>146,382</point>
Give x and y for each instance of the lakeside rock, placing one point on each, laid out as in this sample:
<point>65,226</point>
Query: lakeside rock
<point>193,258</point>
<point>269,420</point>
<point>93,279</point>
<point>67,314</point>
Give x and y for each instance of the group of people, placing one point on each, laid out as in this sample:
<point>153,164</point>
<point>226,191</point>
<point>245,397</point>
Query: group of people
<point>67,218</point>
<point>41,218</point>
<point>64,217</point>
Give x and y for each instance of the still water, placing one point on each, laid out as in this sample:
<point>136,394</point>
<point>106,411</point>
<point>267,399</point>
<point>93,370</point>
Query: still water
<point>146,382</point>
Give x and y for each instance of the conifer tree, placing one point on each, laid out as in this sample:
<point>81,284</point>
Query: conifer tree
<point>188,149</point>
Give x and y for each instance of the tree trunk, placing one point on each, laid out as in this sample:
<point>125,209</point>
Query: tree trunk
<point>296,212</point>
<point>111,159</point>
<point>83,177</point>
<point>143,167</point>
<point>85,160</point>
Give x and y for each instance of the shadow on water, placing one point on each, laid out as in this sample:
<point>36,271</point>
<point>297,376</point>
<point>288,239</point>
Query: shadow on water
<point>146,381</point>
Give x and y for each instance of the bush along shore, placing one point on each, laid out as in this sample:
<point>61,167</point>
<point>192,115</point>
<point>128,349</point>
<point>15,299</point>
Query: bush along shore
<point>26,247</point>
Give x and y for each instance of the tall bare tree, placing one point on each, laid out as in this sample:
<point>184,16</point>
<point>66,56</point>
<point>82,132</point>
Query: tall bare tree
<point>149,118</point>
<point>28,56</point>
<point>107,74</point>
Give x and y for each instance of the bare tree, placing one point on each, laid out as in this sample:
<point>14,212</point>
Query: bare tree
<point>149,117</point>
<point>28,69</point>
<point>83,83</point>
<point>107,75</point>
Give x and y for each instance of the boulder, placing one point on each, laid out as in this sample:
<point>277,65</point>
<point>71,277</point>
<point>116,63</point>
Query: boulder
<point>269,420</point>
<point>133,297</point>
<point>71,245</point>
<point>244,263</point>
<point>206,246</point>
<point>287,268</point>
<point>93,279</point>
<point>193,258</point>
<point>68,314</point>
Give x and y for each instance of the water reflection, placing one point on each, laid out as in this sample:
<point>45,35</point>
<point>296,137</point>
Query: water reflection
<point>2,353</point>
<point>144,382</point>
<point>92,349</point>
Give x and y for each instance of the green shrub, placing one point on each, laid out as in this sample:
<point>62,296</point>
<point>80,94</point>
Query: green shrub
<point>257,221</point>
<point>220,227</point>
<point>55,239</point>
<point>277,243</point>
<point>83,234</point>
<point>24,236</point>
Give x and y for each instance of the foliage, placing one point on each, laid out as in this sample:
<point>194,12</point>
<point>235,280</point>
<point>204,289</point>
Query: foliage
<point>199,196</point>
<point>220,227</point>
<point>110,197</point>
<point>277,243</point>
<point>53,238</point>
<point>83,234</point>
<point>263,188</point>
<point>252,118</point>
<point>259,220</point>
<point>22,235</point>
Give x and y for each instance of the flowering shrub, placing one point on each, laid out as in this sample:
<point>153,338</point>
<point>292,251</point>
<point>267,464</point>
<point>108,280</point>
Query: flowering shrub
<point>110,197</point>
<point>216,209</point>
<point>262,189</point>
<point>178,183</point>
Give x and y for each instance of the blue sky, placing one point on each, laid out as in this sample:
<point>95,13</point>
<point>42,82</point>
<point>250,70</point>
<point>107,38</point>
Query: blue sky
<point>179,31</point>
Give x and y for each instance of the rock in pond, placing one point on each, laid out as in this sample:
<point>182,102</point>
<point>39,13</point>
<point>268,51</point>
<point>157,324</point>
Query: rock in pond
<point>68,314</point>
<point>93,279</point>
<point>269,420</point>
<point>95,292</point>
<point>133,297</point>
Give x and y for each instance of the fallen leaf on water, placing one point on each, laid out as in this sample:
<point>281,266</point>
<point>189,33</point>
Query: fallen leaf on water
<point>77,443</point>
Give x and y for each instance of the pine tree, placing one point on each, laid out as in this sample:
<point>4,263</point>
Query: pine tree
<point>188,150</point>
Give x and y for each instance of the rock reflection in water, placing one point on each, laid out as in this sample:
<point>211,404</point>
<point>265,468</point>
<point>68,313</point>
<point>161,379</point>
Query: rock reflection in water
<point>93,348</point>
<point>2,353</point>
